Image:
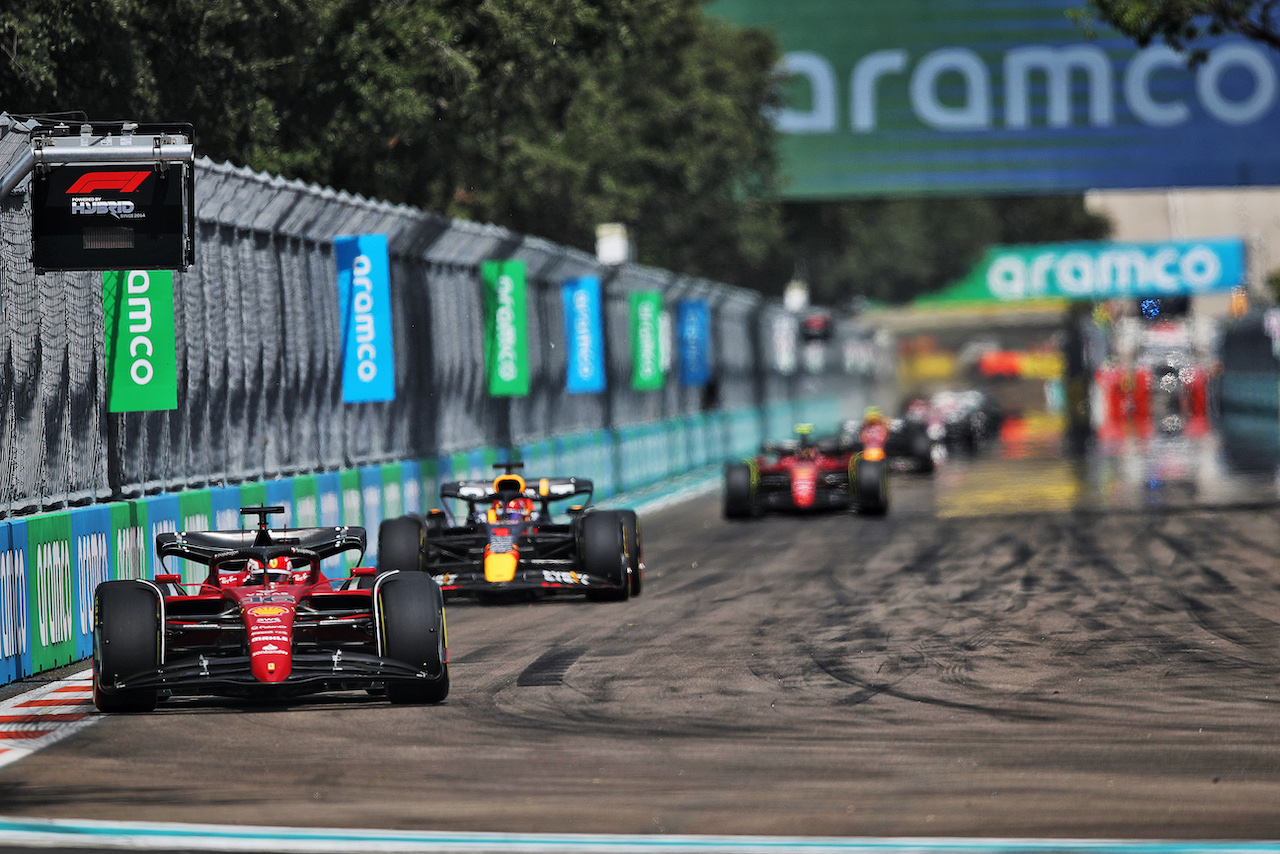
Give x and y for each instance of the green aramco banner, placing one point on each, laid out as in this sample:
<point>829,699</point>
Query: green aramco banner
<point>646,340</point>
<point>506,337</point>
<point>142,364</point>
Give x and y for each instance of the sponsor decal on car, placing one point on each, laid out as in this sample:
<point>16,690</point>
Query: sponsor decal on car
<point>559,576</point>
<point>268,611</point>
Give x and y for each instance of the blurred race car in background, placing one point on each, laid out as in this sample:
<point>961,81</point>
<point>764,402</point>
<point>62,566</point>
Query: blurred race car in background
<point>807,474</point>
<point>508,544</point>
<point>970,418</point>
<point>912,441</point>
<point>265,623</point>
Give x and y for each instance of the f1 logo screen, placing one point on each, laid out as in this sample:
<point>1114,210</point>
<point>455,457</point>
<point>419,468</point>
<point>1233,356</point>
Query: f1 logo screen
<point>92,182</point>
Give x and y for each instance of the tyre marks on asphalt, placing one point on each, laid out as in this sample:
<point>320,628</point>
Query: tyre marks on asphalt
<point>50,713</point>
<point>548,668</point>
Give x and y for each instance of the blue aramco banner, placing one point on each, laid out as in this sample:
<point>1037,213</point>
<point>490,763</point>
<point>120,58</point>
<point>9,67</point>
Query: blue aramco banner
<point>364,306</point>
<point>584,335</point>
<point>956,97</point>
<point>693,320</point>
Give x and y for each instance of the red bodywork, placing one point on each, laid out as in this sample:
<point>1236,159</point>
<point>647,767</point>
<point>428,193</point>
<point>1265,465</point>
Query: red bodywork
<point>809,474</point>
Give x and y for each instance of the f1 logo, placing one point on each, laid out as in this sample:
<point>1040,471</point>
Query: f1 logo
<point>91,182</point>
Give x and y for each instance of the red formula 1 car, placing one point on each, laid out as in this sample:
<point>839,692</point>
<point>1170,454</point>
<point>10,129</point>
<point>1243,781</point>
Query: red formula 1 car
<point>805,474</point>
<point>264,622</point>
<point>509,544</point>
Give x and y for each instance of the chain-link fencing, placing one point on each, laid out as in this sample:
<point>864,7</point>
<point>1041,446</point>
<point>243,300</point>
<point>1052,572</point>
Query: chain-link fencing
<point>259,351</point>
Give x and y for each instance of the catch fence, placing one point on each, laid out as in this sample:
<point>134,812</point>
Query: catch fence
<point>259,353</point>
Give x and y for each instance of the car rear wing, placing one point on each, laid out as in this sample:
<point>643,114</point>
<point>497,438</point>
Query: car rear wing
<point>545,489</point>
<point>203,546</point>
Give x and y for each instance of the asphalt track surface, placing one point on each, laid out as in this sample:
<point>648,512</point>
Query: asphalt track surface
<point>961,668</point>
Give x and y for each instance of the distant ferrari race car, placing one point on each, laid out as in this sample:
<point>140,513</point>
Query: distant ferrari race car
<point>264,622</point>
<point>807,474</point>
<point>508,543</point>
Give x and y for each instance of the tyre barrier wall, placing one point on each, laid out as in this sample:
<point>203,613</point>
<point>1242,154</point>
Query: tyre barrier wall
<point>50,563</point>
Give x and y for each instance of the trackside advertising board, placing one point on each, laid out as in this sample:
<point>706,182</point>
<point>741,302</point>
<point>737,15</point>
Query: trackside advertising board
<point>646,340</point>
<point>693,317</point>
<point>584,334</point>
<point>506,337</point>
<point>1100,270</point>
<point>364,307</point>
<point>953,97</point>
<point>141,356</point>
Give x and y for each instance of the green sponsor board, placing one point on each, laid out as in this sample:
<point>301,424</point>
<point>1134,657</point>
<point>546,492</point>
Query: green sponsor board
<point>253,495</point>
<point>196,508</point>
<point>392,490</point>
<point>141,356</point>
<point>955,97</point>
<point>506,347</point>
<point>429,474</point>
<point>130,537</point>
<point>646,338</point>
<point>352,501</point>
<point>51,598</point>
<point>306,501</point>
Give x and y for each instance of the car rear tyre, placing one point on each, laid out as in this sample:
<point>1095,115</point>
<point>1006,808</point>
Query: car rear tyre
<point>411,622</point>
<point>126,643</point>
<point>400,544</point>
<point>738,503</point>
<point>922,450</point>
<point>635,555</point>
<point>871,478</point>
<point>602,554</point>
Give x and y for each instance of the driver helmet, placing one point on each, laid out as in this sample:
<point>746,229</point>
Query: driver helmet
<point>516,510</point>
<point>872,416</point>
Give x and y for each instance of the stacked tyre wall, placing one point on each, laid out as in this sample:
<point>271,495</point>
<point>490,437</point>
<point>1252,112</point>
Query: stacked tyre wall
<point>260,414</point>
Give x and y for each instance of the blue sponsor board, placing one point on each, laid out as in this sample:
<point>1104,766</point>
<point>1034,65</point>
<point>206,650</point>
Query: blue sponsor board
<point>15,618</point>
<point>280,492</point>
<point>371,508</point>
<point>364,307</point>
<point>163,514</point>
<point>92,562</point>
<point>584,335</point>
<point>411,487</point>
<point>693,321</point>
<point>226,507</point>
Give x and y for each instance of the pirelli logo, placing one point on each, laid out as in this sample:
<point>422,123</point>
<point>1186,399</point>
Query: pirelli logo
<point>121,182</point>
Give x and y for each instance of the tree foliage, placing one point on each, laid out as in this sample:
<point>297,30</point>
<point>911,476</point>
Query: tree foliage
<point>896,250</point>
<point>1182,24</point>
<point>545,116</point>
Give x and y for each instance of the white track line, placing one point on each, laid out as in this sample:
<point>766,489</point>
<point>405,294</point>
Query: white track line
<point>38,718</point>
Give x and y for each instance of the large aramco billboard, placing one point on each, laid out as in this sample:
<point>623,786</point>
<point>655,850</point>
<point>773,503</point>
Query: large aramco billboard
<point>955,97</point>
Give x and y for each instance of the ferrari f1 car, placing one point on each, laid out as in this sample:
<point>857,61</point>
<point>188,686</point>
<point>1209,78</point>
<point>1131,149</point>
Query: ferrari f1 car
<point>509,544</point>
<point>807,474</point>
<point>264,622</point>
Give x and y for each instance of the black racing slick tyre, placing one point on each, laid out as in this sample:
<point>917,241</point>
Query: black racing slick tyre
<point>871,487</point>
<point>400,544</point>
<point>738,498</point>
<point>126,644</point>
<point>602,553</point>
<point>635,553</point>
<point>412,631</point>
<point>922,452</point>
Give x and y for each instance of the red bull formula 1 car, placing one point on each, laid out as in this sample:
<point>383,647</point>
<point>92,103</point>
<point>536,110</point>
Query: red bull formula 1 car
<point>264,622</point>
<point>808,474</point>
<point>508,543</point>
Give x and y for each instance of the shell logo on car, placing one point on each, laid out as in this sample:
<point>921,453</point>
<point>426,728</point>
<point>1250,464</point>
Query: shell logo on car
<point>269,611</point>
